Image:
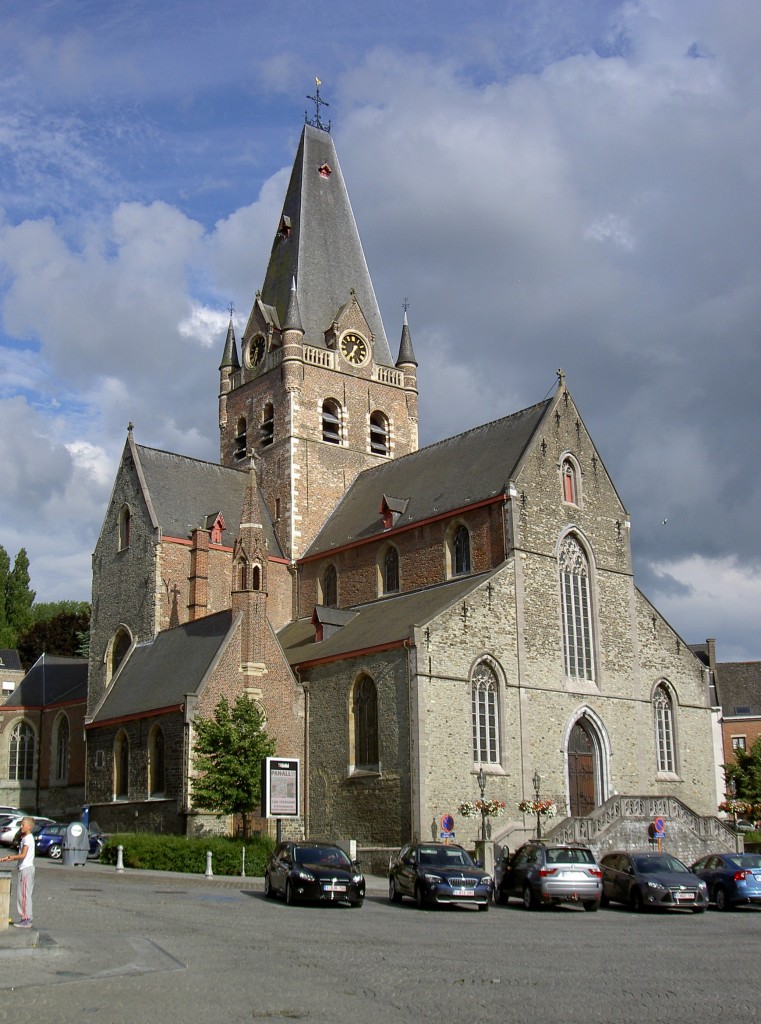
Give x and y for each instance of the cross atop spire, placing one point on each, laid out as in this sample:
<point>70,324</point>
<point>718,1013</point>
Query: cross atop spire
<point>316,121</point>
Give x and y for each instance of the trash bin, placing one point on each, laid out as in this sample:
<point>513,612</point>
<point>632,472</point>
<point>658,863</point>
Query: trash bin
<point>76,844</point>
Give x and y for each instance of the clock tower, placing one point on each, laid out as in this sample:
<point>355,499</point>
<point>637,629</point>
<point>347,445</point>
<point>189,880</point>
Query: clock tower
<point>316,396</point>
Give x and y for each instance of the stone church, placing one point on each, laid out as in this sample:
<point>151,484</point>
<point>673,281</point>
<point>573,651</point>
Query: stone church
<point>407,619</point>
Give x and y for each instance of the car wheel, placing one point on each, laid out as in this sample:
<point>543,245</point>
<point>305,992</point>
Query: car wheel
<point>420,898</point>
<point>356,904</point>
<point>591,905</point>
<point>529,899</point>
<point>604,901</point>
<point>636,902</point>
<point>483,906</point>
<point>290,899</point>
<point>393,893</point>
<point>720,898</point>
<point>500,896</point>
<point>268,890</point>
<point>56,851</point>
<point>698,910</point>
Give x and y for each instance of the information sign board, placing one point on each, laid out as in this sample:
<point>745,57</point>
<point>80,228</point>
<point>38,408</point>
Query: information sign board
<point>280,791</point>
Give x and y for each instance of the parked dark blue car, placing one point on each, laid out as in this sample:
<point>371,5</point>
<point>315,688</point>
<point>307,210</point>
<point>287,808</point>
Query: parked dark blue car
<point>733,879</point>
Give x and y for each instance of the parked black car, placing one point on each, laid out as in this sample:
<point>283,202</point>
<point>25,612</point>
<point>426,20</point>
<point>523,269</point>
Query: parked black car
<point>318,872</point>
<point>646,881</point>
<point>543,873</point>
<point>433,873</point>
<point>733,879</point>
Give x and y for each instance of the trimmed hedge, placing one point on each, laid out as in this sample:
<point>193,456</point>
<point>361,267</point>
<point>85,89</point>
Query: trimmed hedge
<point>176,853</point>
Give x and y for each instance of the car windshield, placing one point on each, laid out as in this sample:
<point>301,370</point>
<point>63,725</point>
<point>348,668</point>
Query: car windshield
<point>444,857</point>
<point>570,855</point>
<point>329,856</point>
<point>652,865</point>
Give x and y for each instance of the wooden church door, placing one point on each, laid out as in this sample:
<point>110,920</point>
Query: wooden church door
<point>581,771</point>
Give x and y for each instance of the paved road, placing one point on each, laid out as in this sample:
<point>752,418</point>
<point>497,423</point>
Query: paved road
<point>138,946</point>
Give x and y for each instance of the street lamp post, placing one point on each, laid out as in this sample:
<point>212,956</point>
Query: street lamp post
<point>537,780</point>
<point>732,793</point>
<point>481,777</point>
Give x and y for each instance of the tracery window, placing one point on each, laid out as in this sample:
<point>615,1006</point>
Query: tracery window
<point>663,709</point>
<point>576,610</point>
<point>485,714</point>
<point>21,753</point>
<point>365,723</point>
<point>461,551</point>
<point>391,571</point>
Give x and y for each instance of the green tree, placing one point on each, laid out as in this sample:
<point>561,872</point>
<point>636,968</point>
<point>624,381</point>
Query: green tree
<point>230,749</point>
<point>19,597</point>
<point>42,611</point>
<point>7,636</point>
<point>61,635</point>
<point>745,772</point>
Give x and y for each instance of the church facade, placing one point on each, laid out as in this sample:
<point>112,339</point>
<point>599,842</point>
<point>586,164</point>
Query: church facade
<point>411,621</point>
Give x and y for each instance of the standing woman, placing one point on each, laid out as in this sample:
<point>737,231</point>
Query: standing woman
<point>25,884</point>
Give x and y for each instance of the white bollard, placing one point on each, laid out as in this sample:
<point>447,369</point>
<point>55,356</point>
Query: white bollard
<point>243,862</point>
<point>208,873</point>
<point>120,858</point>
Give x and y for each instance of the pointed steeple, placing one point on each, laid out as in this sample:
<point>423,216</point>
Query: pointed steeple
<point>230,355</point>
<point>318,245</point>
<point>292,320</point>
<point>406,352</point>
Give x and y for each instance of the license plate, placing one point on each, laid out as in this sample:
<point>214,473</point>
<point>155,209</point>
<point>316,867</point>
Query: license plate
<point>573,875</point>
<point>685,896</point>
<point>463,892</point>
<point>334,888</point>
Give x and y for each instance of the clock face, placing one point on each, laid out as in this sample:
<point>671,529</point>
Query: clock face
<point>257,350</point>
<point>354,349</point>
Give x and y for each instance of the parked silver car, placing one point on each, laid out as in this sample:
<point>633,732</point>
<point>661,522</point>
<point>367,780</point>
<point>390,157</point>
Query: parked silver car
<point>542,873</point>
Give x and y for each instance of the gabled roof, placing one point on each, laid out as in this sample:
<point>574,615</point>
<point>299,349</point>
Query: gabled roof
<point>184,492</point>
<point>451,474</point>
<point>321,249</point>
<point>51,680</point>
<point>161,672</point>
<point>738,687</point>
<point>377,624</point>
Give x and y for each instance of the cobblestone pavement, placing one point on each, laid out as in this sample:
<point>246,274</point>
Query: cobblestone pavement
<point>168,948</point>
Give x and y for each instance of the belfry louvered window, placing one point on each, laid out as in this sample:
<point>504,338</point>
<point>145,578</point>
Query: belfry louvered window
<point>240,439</point>
<point>378,434</point>
<point>576,611</point>
<point>485,714</point>
<point>331,422</point>
<point>267,428</point>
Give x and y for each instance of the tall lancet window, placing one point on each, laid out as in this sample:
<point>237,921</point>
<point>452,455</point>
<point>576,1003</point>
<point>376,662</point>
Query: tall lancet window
<point>663,709</point>
<point>576,610</point>
<point>485,714</point>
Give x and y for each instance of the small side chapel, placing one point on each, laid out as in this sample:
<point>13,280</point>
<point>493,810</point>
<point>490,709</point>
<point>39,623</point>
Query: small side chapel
<point>407,619</point>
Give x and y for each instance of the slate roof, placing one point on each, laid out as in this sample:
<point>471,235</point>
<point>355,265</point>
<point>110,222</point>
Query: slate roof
<point>51,680</point>
<point>738,686</point>
<point>385,621</point>
<point>322,249</point>
<point>160,672</point>
<point>445,476</point>
<point>185,491</point>
<point>9,660</point>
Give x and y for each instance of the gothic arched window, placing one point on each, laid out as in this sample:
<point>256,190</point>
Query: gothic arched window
<point>663,710</point>
<point>330,587</point>
<point>570,482</point>
<point>21,753</point>
<point>125,523</point>
<point>461,551</point>
<point>485,714</point>
<point>378,434</point>
<point>61,749</point>
<point>391,571</point>
<point>156,764</point>
<point>121,767</point>
<point>576,610</point>
<point>331,421</point>
<point>365,723</point>
<point>119,647</point>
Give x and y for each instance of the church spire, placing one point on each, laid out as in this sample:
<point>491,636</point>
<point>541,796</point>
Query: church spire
<point>317,245</point>
<point>230,355</point>
<point>292,320</point>
<point>406,352</point>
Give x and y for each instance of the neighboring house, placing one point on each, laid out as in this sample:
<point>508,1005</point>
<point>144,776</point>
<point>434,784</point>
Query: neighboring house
<point>42,747</point>
<point>737,687</point>
<point>405,618</point>
<point>11,673</point>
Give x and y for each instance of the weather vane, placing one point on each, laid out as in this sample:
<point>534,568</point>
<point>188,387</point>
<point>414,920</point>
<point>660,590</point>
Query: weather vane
<point>316,121</point>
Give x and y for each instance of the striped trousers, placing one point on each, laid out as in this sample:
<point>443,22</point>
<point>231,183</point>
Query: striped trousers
<point>24,890</point>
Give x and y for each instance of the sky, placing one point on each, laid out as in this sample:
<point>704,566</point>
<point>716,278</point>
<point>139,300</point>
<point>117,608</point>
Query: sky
<point>548,184</point>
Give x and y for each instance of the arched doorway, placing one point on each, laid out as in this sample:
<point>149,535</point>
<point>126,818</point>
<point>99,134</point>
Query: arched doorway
<point>582,770</point>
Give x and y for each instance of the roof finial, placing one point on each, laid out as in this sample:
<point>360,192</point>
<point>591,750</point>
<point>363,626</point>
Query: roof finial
<point>232,310</point>
<point>316,122</point>
<point>130,427</point>
<point>561,377</point>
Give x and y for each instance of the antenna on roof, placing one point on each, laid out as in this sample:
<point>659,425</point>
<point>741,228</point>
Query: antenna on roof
<point>316,121</point>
